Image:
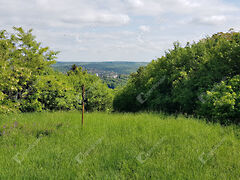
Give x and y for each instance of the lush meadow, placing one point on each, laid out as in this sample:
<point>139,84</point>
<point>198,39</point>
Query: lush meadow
<point>198,80</point>
<point>116,146</point>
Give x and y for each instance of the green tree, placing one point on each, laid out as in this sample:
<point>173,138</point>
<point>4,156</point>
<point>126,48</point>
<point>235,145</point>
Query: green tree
<point>189,72</point>
<point>22,61</point>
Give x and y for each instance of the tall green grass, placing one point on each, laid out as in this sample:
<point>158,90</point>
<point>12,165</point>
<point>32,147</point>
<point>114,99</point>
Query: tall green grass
<point>116,146</point>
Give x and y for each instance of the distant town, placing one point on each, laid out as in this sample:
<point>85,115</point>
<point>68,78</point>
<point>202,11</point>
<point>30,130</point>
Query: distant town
<point>113,73</point>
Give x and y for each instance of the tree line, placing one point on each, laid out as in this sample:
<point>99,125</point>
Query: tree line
<point>201,79</point>
<point>29,84</point>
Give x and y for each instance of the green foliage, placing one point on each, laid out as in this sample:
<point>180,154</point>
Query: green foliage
<point>116,146</point>
<point>116,83</point>
<point>188,72</point>
<point>55,93</point>
<point>98,96</point>
<point>22,61</point>
<point>29,84</point>
<point>118,67</point>
<point>223,101</point>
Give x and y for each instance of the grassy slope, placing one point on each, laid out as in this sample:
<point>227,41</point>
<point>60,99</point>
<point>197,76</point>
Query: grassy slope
<point>112,144</point>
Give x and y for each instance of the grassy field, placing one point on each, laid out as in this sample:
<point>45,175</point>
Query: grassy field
<point>116,146</point>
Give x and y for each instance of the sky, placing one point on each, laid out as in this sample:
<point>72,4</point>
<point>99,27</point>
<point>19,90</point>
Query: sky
<point>118,30</point>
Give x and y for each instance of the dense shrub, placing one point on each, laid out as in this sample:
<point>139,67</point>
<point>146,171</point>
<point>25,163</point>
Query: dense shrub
<point>176,81</point>
<point>29,84</point>
<point>222,103</point>
<point>22,61</point>
<point>98,96</point>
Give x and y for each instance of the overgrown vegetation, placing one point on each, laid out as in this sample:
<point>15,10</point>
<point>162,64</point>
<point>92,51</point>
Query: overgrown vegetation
<point>115,74</point>
<point>201,79</point>
<point>116,83</point>
<point>29,84</point>
<point>116,146</point>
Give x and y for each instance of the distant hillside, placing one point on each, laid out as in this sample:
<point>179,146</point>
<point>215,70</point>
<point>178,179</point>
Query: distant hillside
<point>117,67</point>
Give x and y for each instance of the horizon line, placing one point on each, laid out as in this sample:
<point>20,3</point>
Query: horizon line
<point>102,61</point>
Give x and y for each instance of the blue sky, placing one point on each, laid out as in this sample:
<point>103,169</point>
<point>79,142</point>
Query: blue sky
<point>119,30</point>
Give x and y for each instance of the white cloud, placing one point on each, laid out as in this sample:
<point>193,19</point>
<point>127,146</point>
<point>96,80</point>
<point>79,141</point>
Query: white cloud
<point>210,20</point>
<point>98,19</point>
<point>119,29</point>
<point>190,3</point>
<point>159,7</point>
<point>136,3</point>
<point>144,28</point>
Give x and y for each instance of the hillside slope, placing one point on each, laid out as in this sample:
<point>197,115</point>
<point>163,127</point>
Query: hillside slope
<point>116,146</point>
<point>118,67</point>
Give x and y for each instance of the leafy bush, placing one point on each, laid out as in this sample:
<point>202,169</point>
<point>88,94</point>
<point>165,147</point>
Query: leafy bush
<point>188,72</point>
<point>222,103</point>
<point>29,84</point>
<point>97,95</point>
<point>53,92</point>
<point>22,61</point>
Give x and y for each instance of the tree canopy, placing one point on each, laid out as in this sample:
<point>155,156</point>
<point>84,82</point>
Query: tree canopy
<point>29,84</point>
<point>177,82</point>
